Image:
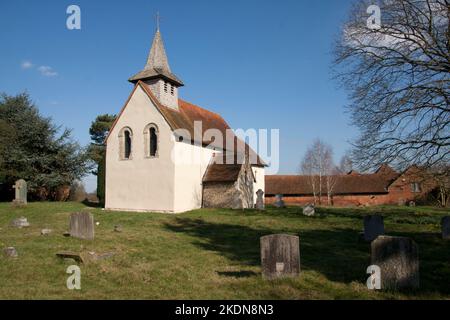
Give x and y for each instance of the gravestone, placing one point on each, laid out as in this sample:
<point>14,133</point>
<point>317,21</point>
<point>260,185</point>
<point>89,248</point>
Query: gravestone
<point>280,256</point>
<point>46,232</point>
<point>82,225</point>
<point>445,223</point>
<point>309,210</point>
<point>279,203</point>
<point>412,203</point>
<point>21,222</point>
<point>398,259</point>
<point>10,252</point>
<point>21,192</point>
<point>373,227</point>
<point>260,200</point>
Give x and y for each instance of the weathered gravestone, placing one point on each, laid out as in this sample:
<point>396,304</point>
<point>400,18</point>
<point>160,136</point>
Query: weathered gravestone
<point>82,225</point>
<point>398,259</point>
<point>445,223</point>
<point>21,222</point>
<point>309,210</point>
<point>373,227</point>
<point>10,252</point>
<point>260,200</point>
<point>280,256</point>
<point>46,232</point>
<point>279,203</point>
<point>21,192</point>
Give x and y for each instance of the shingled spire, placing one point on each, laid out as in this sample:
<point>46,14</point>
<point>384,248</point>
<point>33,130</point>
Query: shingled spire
<point>157,64</point>
<point>157,58</point>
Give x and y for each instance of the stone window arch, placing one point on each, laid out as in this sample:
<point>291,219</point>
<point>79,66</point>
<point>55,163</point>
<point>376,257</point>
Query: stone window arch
<point>151,140</point>
<point>125,143</point>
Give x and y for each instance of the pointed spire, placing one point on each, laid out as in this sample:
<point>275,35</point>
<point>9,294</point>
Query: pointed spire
<point>157,65</point>
<point>157,58</point>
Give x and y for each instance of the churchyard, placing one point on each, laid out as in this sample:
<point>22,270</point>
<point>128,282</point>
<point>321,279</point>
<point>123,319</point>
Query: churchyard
<point>208,254</point>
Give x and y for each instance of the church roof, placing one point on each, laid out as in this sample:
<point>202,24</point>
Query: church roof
<point>222,173</point>
<point>157,65</point>
<point>187,114</point>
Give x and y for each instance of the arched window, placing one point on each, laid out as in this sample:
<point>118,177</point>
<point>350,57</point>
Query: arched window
<point>125,144</point>
<point>151,140</point>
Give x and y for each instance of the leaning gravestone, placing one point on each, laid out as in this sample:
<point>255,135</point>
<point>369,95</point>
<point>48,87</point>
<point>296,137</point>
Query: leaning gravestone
<point>279,203</point>
<point>373,227</point>
<point>309,210</point>
<point>445,223</point>
<point>398,259</point>
<point>82,225</point>
<point>21,222</point>
<point>280,256</point>
<point>260,200</point>
<point>21,192</point>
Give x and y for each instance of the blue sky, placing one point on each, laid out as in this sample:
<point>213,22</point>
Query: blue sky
<point>258,63</point>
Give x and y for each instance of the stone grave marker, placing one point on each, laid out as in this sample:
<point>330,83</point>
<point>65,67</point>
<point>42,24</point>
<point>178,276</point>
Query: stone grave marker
<point>46,232</point>
<point>309,210</point>
<point>398,259</point>
<point>373,227</point>
<point>279,203</point>
<point>280,256</point>
<point>260,200</point>
<point>10,252</point>
<point>21,222</point>
<point>445,224</point>
<point>21,192</point>
<point>82,225</point>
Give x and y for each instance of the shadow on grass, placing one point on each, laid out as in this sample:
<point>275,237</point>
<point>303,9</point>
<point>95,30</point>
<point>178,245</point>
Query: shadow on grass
<point>335,253</point>
<point>92,204</point>
<point>237,274</point>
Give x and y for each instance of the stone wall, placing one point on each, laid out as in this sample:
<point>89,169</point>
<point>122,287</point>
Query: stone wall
<point>233,195</point>
<point>221,195</point>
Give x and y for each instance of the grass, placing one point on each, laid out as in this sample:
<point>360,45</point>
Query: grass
<point>212,254</point>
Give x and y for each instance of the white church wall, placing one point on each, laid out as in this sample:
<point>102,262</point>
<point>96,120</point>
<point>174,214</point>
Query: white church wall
<point>190,166</point>
<point>141,183</point>
<point>259,174</point>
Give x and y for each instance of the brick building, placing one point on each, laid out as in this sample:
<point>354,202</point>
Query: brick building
<point>385,186</point>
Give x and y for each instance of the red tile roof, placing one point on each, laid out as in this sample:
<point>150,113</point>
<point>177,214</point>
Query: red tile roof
<point>222,173</point>
<point>187,114</point>
<point>345,184</point>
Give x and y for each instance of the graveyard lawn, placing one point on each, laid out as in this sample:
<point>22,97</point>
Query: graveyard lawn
<point>211,254</point>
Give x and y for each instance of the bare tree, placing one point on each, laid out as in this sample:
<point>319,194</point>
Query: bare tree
<point>346,164</point>
<point>398,77</point>
<point>308,169</point>
<point>318,165</point>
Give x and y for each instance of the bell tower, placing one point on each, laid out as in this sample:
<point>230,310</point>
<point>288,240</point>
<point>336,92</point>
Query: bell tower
<point>157,74</point>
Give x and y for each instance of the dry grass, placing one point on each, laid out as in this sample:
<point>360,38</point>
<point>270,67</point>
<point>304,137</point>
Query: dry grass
<point>211,254</point>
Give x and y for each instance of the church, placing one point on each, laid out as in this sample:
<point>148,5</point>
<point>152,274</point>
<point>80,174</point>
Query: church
<point>164,154</point>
